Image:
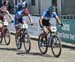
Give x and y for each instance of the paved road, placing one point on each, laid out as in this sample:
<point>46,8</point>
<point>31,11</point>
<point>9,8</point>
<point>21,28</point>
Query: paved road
<point>11,54</point>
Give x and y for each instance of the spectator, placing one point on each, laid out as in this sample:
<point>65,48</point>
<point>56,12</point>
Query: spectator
<point>8,5</point>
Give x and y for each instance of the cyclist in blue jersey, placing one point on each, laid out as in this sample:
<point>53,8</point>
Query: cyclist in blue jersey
<point>44,20</point>
<point>19,18</point>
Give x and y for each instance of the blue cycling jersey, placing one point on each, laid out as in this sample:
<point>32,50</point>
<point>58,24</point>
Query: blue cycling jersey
<point>19,17</point>
<point>18,14</point>
<point>47,15</point>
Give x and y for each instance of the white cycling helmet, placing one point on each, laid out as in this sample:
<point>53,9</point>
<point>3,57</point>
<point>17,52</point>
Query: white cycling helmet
<point>24,4</point>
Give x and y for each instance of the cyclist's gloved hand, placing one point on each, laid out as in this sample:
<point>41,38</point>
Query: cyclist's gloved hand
<point>12,21</point>
<point>31,24</point>
<point>61,24</point>
<point>41,26</point>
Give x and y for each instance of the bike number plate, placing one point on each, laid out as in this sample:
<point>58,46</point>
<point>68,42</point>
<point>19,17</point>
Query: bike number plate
<point>24,26</point>
<point>6,23</point>
<point>53,29</point>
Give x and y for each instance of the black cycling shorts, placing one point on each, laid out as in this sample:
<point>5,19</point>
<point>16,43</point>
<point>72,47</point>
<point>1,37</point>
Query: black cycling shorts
<point>45,22</point>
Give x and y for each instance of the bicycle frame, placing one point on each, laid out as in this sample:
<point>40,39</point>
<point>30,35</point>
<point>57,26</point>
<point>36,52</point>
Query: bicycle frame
<point>4,29</point>
<point>52,40</point>
<point>52,32</point>
<point>4,32</point>
<point>22,34</point>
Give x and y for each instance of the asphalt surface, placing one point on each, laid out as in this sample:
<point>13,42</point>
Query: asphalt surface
<point>11,54</point>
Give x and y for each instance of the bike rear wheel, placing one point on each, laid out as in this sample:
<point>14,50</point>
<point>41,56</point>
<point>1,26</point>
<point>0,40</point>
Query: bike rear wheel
<point>7,37</point>
<point>27,43</point>
<point>56,46</point>
<point>42,44</point>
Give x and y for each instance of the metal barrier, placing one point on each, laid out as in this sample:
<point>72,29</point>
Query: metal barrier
<point>67,16</point>
<point>67,32</point>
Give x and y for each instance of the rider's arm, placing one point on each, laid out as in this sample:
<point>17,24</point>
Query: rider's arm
<point>40,21</point>
<point>58,20</point>
<point>9,15</point>
<point>41,18</point>
<point>30,18</point>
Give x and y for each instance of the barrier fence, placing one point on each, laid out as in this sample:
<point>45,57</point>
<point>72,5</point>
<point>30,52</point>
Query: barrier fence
<point>67,32</point>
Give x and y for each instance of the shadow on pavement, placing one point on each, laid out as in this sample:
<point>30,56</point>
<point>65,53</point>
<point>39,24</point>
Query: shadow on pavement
<point>34,54</point>
<point>8,49</point>
<point>69,47</point>
<point>2,44</point>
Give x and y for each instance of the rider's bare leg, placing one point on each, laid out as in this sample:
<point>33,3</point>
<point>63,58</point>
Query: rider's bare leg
<point>44,32</point>
<point>17,34</point>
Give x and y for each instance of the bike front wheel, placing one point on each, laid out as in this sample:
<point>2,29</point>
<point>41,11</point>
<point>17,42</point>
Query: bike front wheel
<point>1,37</point>
<point>42,44</point>
<point>27,43</point>
<point>56,46</point>
<point>18,43</point>
<point>7,37</point>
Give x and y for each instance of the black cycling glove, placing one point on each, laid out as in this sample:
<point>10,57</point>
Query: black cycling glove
<point>41,26</point>
<point>31,24</point>
<point>61,24</point>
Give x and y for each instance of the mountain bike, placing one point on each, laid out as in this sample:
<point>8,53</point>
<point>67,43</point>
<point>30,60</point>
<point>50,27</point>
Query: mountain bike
<point>23,38</point>
<point>50,40</point>
<point>4,33</point>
